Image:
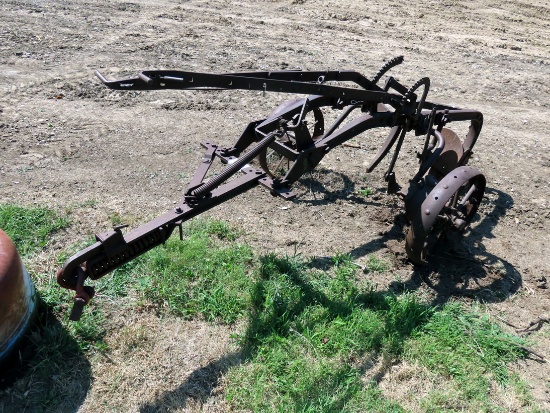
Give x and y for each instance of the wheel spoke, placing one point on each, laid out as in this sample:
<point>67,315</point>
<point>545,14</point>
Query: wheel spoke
<point>468,195</point>
<point>276,169</point>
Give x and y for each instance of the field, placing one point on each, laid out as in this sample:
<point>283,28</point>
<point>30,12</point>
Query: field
<point>98,158</point>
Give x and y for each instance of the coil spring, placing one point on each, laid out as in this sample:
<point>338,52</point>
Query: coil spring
<point>234,167</point>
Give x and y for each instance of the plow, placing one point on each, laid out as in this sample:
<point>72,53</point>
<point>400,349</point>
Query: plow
<point>275,152</point>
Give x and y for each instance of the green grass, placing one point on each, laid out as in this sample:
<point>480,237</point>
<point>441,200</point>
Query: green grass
<point>365,192</point>
<point>465,347</point>
<point>307,330</point>
<point>30,228</point>
<point>375,264</point>
<point>200,276</point>
<point>310,334</point>
<point>311,339</point>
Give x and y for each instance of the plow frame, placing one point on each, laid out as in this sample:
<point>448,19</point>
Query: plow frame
<point>289,135</point>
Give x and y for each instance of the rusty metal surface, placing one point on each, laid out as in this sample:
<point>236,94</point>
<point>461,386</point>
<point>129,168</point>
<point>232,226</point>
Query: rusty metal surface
<point>450,155</point>
<point>292,140</point>
<point>453,202</point>
<point>17,297</point>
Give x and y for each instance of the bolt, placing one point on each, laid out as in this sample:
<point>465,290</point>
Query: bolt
<point>427,212</point>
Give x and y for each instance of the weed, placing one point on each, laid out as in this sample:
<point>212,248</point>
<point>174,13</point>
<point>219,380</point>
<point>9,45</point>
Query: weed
<point>375,264</point>
<point>115,219</point>
<point>220,229</point>
<point>365,192</point>
<point>341,259</point>
<point>90,203</point>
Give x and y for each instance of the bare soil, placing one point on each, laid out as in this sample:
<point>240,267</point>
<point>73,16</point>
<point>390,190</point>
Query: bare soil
<point>69,143</point>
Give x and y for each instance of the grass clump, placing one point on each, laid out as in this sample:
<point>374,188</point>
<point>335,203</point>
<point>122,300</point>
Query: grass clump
<point>467,348</point>
<point>365,192</point>
<point>200,276</point>
<point>30,228</point>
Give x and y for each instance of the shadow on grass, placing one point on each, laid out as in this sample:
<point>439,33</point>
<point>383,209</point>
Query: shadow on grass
<point>50,373</point>
<point>273,317</point>
<point>459,267</point>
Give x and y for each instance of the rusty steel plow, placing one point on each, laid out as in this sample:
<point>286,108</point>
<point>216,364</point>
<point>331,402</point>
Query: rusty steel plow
<point>442,196</point>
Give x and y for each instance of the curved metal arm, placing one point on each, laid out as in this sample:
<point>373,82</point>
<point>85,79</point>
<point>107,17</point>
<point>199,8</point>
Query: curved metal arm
<point>425,81</point>
<point>389,65</point>
<point>430,161</point>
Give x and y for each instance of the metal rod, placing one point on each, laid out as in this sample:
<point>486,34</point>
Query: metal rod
<point>234,167</point>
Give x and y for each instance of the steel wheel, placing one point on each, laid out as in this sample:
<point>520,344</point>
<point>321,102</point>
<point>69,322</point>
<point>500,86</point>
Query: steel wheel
<point>451,205</point>
<point>275,164</point>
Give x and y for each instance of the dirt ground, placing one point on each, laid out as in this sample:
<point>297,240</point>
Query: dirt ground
<point>67,142</point>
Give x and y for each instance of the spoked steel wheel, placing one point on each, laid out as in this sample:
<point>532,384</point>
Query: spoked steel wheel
<point>277,165</point>
<point>451,205</point>
<point>274,164</point>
